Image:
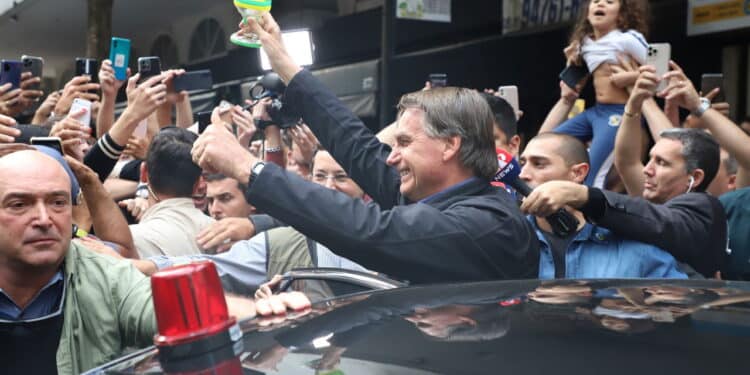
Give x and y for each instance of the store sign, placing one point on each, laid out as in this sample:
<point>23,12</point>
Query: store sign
<point>710,16</point>
<point>424,10</point>
<point>521,15</point>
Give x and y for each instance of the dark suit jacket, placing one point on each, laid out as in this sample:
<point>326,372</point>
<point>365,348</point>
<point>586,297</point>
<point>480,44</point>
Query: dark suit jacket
<point>472,232</point>
<point>692,226</point>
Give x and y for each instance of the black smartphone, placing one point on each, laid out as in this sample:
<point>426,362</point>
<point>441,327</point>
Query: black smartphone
<point>87,67</point>
<point>438,79</point>
<point>10,72</point>
<point>194,81</point>
<point>204,119</point>
<point>710,81</point>
<point>34,65</point>
<point>572,75</point>
<point>149,66</point>
<point>51,142</point>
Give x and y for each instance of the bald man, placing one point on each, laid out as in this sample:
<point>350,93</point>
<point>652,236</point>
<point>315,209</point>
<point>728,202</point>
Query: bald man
<point>78,308</point>
<point>63,308</point>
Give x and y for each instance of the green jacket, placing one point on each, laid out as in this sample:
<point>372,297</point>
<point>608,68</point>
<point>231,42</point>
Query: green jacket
<point>107,308</point>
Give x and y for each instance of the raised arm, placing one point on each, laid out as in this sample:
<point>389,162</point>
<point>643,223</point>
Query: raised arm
<point>339,131</point>
<point>559,112</point>
<point>628,141</point>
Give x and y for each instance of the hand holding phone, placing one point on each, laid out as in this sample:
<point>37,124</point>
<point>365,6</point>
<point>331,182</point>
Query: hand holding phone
<point>149,66</point>
<point>659,55</point>
<point>572,75</point>
<point>711,81</point>
<point>193,81</point>
<point>119,54</point>
<point>33,65</point>
<point>82,106</point>
<point>51,142</point>
<point>510,94</point>
<point>10,72</point>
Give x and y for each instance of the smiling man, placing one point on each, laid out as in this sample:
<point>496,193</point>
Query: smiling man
<point>436,217</point>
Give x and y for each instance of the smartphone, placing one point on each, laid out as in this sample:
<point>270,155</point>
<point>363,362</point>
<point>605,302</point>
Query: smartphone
<point>51,142</point>
<point>34,65</point>
<point>10,72</point>
<point>438,79</point>
<point>510,94</point>
<point>149,66</point>
<point>79,104</point>
<point>204,119</point>
<point>119,54</point>
<point>658,56</point>
<point>194,81</point>
<point>710,81</point>
<point>87,67</point>
<point>572,75</point>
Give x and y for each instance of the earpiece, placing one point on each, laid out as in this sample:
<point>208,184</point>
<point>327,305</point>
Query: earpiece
<point>691,183</point>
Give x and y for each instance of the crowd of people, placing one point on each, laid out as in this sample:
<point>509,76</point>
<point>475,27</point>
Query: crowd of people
<point>654,195</point>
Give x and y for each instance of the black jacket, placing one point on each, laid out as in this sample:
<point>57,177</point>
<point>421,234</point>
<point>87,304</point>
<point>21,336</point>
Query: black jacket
<point>475,232</point>
<point>692,226</point>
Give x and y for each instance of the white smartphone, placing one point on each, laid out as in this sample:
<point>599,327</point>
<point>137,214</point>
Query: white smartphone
<point>510,94</point>
<point>659,55</point>
<point>79,104</point>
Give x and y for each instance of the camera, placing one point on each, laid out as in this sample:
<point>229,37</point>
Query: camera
<point>271,86</point>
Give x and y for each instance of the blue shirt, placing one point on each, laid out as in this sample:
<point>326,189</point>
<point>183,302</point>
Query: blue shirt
<point>46,302</point>
<point>597,253</point>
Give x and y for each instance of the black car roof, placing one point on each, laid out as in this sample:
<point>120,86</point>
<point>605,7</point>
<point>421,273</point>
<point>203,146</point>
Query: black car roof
<point>514,327</point>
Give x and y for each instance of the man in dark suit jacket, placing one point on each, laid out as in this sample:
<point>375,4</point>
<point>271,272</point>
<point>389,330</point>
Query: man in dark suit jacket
<point>435,216</point>
<point>675,212</point>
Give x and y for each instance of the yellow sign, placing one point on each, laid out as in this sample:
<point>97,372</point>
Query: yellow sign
<point>719,12</point>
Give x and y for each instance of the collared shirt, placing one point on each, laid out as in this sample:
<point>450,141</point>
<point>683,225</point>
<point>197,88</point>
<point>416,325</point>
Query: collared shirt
<point>596,252</point>
<point>47,301</point>
<point>450,190</point>
<point>170,228</point>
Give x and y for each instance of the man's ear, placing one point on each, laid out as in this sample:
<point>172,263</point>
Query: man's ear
<point>515,145</point>
<point>452,147</point>
<point>698,175</point>
<point>578,172</point>
<point>144,172</point>
<point>732,183</point>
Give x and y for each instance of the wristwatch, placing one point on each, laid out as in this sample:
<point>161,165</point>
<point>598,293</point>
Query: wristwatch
<point>255,171</point>
<point>703,107</point>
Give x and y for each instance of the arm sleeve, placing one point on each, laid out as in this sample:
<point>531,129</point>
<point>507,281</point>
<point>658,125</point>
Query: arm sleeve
<point>395,241</point>
<point>344,135</point>
<point>635,45</point>
<point>678,226</point>
<point>241,269</point>
<point>263,222</point>
<point>136,309</point>
<point>103,156</point>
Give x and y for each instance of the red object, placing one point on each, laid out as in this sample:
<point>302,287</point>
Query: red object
<point>189,304</point>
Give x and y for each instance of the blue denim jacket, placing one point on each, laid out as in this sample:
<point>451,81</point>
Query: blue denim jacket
<point>598,253</point>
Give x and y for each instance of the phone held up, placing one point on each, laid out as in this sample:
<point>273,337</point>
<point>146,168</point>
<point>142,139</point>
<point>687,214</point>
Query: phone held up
<point>711,81</point>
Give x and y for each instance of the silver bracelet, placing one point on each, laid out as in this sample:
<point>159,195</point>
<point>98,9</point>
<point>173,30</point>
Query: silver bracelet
<point>273,149</point>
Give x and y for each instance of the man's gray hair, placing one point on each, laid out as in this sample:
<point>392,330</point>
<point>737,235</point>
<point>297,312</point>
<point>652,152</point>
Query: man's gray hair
<point>453,111</point>
<point>700,151</point>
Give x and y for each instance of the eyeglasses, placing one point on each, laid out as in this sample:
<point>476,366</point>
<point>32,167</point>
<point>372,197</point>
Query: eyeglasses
<point>337,178</point>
